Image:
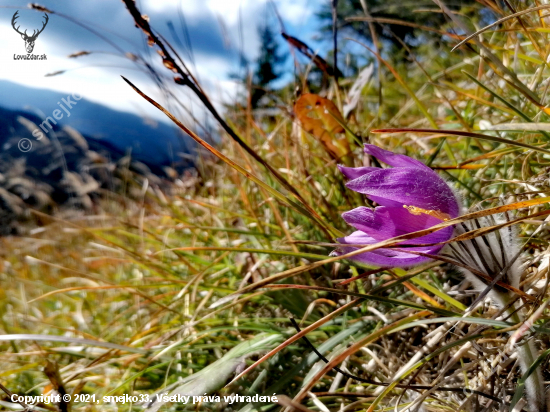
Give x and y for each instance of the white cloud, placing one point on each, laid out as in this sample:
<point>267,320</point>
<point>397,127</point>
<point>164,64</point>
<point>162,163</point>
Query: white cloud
<point>97,84</point>
<point>243,15</point>
<point>104,85</point>
<point>296,12</point>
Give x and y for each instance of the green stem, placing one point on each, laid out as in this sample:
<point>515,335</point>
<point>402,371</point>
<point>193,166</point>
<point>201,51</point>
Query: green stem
<point>527,355</point>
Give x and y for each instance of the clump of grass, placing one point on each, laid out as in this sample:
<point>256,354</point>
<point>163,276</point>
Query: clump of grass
<point>145,298</point>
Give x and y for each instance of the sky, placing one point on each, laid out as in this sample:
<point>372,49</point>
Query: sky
<point>217,30</point>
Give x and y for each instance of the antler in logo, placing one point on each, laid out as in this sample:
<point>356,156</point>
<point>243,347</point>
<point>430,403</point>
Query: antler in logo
<point>29,40</point>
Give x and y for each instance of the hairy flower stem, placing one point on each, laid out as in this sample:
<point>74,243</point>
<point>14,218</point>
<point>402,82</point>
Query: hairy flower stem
<point>527,355</point>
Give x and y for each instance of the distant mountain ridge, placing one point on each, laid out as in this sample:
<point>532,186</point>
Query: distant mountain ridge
<point>158,144</point>
<point>65,170</point>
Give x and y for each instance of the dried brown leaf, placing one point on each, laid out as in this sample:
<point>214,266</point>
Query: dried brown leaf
<point>321,118</point>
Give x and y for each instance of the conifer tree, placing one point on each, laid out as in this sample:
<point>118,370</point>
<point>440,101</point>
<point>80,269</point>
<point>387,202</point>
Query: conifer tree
<point>268,65</point>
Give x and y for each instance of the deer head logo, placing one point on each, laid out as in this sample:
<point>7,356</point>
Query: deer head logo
<point>29,40</point>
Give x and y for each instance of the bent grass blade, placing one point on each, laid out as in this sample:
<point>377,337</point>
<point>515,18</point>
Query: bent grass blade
<point>306,211</point>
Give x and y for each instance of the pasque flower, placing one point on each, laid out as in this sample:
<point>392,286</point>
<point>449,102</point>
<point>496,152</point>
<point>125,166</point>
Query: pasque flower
<point>411,196</point>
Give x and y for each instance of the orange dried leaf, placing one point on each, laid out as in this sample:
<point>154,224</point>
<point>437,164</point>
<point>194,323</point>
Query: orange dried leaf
<point>321,118</point>
<point>318,115</point>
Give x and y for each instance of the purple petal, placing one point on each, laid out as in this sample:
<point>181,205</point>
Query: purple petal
<point>355,172</point>
<point>358,238</point>
<point>422,188</point>
<point>364,219</point>
<point>383,259</point>
<point>379,257</point>
<point>386,222</point>
<point>410,183</point>
<point>393,159</point>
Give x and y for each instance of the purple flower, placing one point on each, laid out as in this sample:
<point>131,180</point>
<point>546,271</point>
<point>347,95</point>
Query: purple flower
<point>411,196</point>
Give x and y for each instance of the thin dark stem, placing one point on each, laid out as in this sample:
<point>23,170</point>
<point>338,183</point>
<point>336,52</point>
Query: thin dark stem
<point>26,408</point>
<point>186,79</point>
<point>334,37</point>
